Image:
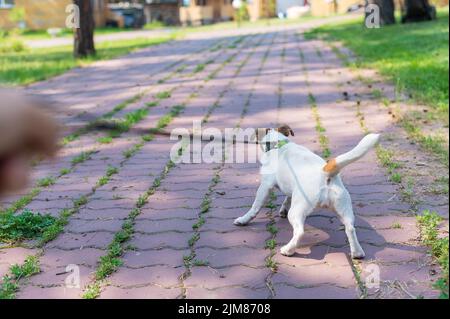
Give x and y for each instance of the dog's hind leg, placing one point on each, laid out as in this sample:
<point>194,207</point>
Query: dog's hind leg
<point>285,207</point>
<point>261,197</point>
<point>297,216</point>
<point>343,207</point>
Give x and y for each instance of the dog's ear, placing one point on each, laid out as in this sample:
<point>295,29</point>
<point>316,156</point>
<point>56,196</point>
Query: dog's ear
<point>285,130</point>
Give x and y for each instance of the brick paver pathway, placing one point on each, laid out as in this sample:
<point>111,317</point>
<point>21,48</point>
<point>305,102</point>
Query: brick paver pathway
<point>183,242</point>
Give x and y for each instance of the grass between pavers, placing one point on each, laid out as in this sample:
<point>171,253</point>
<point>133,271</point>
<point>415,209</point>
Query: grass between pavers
<point>271,227</point>
<point>428,224</point>
<point>415,55</point>
<point>44,183</point>
<point>31,65</point>
<point>320,129</point>
<point>10,283</point>
<point>24,226</point>
<point>190,260</point>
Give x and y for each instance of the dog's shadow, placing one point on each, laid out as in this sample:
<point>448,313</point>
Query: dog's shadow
<point>324,234</point>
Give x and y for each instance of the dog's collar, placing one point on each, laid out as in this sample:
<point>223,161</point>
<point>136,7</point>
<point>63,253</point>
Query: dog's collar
<point>281,143</point>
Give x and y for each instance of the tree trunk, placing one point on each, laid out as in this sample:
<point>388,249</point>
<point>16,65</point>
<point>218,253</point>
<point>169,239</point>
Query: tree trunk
<point>418,10</point>
<point>387,9</point>
<point>84,35</point>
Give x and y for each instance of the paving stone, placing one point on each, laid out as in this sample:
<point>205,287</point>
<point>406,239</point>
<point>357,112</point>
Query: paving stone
<point>231,239</point>
<point>162,240</point>
<point>169,257</point>
<point>77,241</point>
<point>33,292</point>
<point>315,275</point>
<point>210,278</point>
<point>89,226</point>
<point>163,276</point>
<point>233,256</point>
<point>283,291</point>
<point>159,226</point>
<point>148,292</point>
<point>227,293</point>
<point>62,258</point>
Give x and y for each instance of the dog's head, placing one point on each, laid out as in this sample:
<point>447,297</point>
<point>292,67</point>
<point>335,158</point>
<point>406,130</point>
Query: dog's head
<point>268,138</point>
<point>26,130</point>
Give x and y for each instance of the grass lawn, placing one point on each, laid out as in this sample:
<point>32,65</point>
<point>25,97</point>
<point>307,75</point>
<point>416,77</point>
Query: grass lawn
<point>415,56</point>
<point>31,65</point>
<point>65,33</point>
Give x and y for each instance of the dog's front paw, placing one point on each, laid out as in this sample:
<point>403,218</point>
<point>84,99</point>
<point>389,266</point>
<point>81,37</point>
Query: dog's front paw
<point>287,251</point>
<point>241,221</point>
<point>358,254</point>
<point>283,213</point>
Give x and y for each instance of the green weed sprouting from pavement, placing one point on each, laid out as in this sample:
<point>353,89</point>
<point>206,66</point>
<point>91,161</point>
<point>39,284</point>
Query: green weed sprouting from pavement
<point>320,129</point>
<point>24,226</point>
<point>122,126</point>
<point>105,140</point>
<point>271,227</point>
<point>152,104</point>
<point>386,158</point>
<point>163,95</point>
<point>199,68</point>
<point>64,171</point>
<point>200,263</point>
<point>189,260</point>
<point>10,282</point>
<point>123,105</point>
<point>433,144</point>
<point>46,182</point>
<point>21,202</point>
<point>106,178</point>
<point>166,119</point>
<point>82,157</point>
<point>429,230</point>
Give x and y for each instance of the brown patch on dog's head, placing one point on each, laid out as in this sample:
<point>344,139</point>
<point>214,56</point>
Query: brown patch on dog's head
<point>26,130</point>
<point>285,130</point>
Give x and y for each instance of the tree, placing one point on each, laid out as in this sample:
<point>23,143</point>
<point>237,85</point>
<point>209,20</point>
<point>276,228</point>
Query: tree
<point>387,9</point>
<point>418,10</point>
<point>84,35</point>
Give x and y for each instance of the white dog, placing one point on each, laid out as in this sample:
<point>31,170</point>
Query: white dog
<point>308,182</point>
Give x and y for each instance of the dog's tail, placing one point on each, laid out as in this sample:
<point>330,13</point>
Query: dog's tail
<point>335,165</point>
